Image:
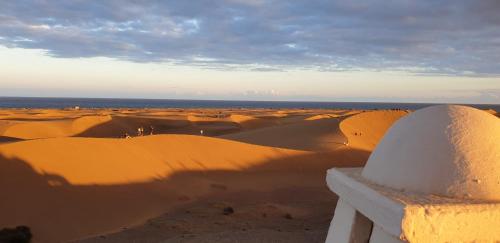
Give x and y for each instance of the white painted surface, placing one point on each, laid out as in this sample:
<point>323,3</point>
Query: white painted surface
<point>445,150</point>
<point>380,236</point>
<point>417,217</point>
<point>342,222</point>
<point>348,226</point>
<point>381,210</point>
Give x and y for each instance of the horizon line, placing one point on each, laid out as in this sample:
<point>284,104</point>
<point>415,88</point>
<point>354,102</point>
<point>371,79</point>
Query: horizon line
<point>234,100</point>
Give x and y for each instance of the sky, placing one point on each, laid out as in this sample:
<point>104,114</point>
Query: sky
<point>304,50</point>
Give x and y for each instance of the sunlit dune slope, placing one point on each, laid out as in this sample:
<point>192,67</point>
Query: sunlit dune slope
<point>4,125</point>
<point>251,122</point>
<point>491,111</point>
<point>336,114</point>
<point>111,161</point>
<point>121,125</point>
<point>236,121</point>
<point>110,123</point>
<point>118,126</point>
<point>322,116</point>
<point>312,135</point>
<point>78,183</point>
<point>68,188</point>
<point>51,128</point>
<point>365,130</point>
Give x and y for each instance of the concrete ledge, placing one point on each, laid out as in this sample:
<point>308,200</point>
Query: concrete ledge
<point>417,217</point>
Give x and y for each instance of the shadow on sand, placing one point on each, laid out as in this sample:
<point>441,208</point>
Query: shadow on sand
<point>56,210</point>
<point>6,139</point>
<point>118,126</point>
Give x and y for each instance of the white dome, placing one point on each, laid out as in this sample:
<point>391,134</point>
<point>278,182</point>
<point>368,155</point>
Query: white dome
<point>446,150</point>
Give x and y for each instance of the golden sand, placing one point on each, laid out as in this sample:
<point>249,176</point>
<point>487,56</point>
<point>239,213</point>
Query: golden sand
<point>72,174</point>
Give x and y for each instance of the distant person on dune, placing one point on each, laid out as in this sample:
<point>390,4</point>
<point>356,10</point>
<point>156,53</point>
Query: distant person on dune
<point>152,128</point>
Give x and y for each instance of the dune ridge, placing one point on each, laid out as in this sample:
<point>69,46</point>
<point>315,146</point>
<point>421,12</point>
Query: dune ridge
<point>73,177</point>
<point>114,161</point>
<point>364,130</point>
<point>52,128</point>
<point>310,135</point>
<point>89,186</point>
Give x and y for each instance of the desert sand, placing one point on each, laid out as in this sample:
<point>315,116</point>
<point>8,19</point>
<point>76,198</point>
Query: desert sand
<point>197,175</point>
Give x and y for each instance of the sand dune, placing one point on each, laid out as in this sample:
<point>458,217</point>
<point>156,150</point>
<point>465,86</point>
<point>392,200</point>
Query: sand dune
<point>258,217</point>
<point>322,116</point>
<point>52,128</point>
<point>115,161</point>
<point>67,174</point>
<point>311,135</point>
<point>491,111</point>
<point>35,124</point>
<point>85,186</point>
<point>336,114</point>
<point>51,169</point>
<point>120,125</point>
<point>202,118</point>
<point>365,130</point>
<point>242,118</point>
<point>111,127</point>
<point>251,122</point>
<point>262,197</point>
<point>4,124</point>
<point>82,182</point>
<point>5,139</point>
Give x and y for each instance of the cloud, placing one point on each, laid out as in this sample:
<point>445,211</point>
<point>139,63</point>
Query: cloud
<point>429,37</point>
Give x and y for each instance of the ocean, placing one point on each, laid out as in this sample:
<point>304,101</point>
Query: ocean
<point>60,103</point>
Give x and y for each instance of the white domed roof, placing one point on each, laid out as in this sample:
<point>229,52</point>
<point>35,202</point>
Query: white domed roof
<point>445,150</point>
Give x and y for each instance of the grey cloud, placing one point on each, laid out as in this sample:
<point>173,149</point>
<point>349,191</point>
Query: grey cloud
<point>434,37</point>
